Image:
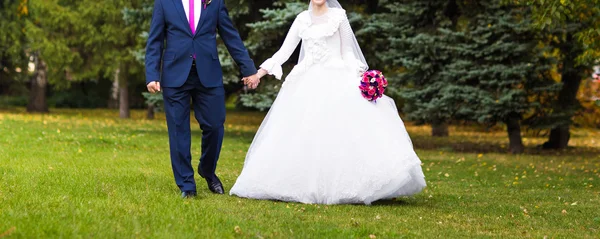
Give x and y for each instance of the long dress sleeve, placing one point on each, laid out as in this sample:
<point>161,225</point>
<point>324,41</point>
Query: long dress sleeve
<point>273,64</point>
<point>347,47</point>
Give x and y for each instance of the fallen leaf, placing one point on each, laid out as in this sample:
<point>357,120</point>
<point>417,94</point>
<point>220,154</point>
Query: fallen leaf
<point>372,236</point>
<point>237,229</point>
<point>8,232</point>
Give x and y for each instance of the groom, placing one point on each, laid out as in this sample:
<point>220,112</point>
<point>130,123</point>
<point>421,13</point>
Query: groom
<point>183,39</point>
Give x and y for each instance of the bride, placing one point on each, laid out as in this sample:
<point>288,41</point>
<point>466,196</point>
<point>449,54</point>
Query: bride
<point>322,142</point>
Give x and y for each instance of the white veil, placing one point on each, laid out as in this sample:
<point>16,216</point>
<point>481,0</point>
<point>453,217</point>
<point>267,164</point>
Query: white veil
<point>358,55</point>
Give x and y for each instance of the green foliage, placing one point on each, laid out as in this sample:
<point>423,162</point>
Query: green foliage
<point>498,70</point>
<point>584,15</point>
<point>419,53</point>
<point>13,60</point>
<point>82,40</point>
<point>263,99</point>
<point>264,40</point>
<point>155,100</point>
<point>52,31</point>
<point>76,99</point>
<point>468,61</point>
<point>8,101</point>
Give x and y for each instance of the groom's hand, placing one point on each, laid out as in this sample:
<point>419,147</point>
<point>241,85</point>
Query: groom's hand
<point>153,87</point>
<point>251,81</point>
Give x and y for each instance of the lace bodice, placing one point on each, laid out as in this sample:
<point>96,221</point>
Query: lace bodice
<point>326,39</point>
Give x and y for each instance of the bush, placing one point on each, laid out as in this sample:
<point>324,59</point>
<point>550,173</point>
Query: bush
<point>19,101</point>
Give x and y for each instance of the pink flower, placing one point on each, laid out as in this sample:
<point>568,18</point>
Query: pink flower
<point>373,84</point>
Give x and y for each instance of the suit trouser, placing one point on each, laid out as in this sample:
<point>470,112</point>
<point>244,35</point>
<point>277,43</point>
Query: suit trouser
<point>209,110</point>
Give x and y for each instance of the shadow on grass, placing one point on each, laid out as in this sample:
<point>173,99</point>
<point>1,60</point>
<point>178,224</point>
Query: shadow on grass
<point>422,142</point>
<point>474,145</point>
<point>234,134</point>
<point>397,203</point>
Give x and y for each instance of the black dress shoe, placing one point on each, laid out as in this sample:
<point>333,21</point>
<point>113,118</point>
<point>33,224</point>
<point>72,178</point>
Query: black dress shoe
<point>215,185</point>
<point>188,194</point>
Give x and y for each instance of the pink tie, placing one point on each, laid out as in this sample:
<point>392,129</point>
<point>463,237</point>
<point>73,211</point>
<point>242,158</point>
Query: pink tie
<point>192,17</point>
<point>191,14</point>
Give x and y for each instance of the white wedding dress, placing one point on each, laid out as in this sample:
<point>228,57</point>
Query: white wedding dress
<point>321,141</point>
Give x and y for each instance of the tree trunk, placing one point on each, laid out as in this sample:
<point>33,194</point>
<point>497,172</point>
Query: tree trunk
<point>39,83</point>
<point>559,138</point>
<point>567,98</point>
<point>439,130</point>
<point>452,11</point>
<point>113,99</point>
<point>372,6</point>
<point>513,127</point>
<point>123,95</point>
<point>150,112</point>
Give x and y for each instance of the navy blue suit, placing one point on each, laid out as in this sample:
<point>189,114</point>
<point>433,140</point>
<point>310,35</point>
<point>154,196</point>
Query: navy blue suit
<point>171,42</point>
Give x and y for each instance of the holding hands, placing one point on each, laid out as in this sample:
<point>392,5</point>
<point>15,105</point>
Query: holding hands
<point>253,80</point>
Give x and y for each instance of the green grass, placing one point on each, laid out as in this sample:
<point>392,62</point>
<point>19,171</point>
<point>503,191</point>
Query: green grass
<point>85,173</point>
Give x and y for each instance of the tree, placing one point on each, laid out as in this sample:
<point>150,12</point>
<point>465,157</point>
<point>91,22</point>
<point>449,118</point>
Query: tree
<point>575,24</point>
<point>418,55</point>
<point>499,73</point>
<point>13,60</point>
<point>264,40</point>
<point>80,40</point>
<point>109,48</point>
<point>50,30</point>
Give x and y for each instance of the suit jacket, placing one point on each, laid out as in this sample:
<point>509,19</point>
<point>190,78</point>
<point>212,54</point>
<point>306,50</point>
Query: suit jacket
<point>170,23</point>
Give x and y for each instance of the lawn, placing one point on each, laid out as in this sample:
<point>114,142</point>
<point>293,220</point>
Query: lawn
<point>86,173</point>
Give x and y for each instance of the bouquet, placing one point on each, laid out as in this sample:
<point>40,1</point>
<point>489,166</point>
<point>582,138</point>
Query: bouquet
<point>373,85</point>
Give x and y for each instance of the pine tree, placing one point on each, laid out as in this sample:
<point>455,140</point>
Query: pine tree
<point>418,53</point>
<point>264,40</point>
<point>498,73</point>
<point>468,61</point>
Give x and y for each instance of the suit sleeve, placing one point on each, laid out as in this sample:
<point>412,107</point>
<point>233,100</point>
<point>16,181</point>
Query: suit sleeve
<point>234,43</point>
<point>155,43</point>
